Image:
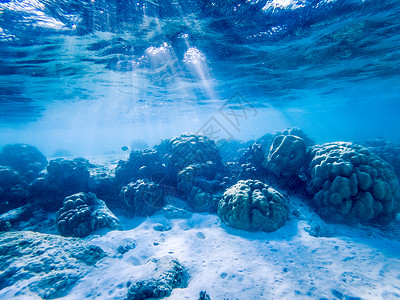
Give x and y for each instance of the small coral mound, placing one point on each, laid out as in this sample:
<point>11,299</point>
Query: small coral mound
<point>286,156</point>
<point>142,197</point>
<point>189,149</point>
<point>166,275</point>
<point>253,205</point>
<point>141,164</point>
<point>83,213</point>
<point>349,184</point>
<point>25,159</point>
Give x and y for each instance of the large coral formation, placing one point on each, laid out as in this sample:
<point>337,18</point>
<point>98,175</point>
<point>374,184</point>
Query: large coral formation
<point>82,214</point>
<point>140,165</point>
<point>25,159</point>
<point>253,205</point>
<point>64,177</point>
<point>349,184</point>
<point>286,156</point>
<point>188,149</point>
<point>142,197</point>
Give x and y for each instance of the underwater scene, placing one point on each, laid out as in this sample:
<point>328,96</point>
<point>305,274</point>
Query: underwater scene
<point>200,149</point>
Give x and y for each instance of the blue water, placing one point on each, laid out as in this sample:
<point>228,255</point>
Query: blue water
<point>93,76</point>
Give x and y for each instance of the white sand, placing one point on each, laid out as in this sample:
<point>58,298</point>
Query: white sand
<point>233,264</point>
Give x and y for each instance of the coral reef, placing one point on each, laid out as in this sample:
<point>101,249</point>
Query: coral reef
<point>168,274</point>
<point>140,165</point>
<point>349,184</point>
<point>248,166</point>
<point>25,159</point>
<point>254,155</point>
<point>297,132</point>
<point>103,184</point>
<point>64,177</point>
<point>13,190</point>
<point>198,184</point>
<point>389,152</point>
<point>232,150</point>
<point>252,205</point>
<point>188,149</point>
<point>53,264</point>
<point>142,197</point>
<point>286,156</point>
<point>82,214</point>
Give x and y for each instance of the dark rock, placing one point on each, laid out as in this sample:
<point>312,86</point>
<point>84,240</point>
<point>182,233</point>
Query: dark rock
<point>204,296</point>
<point>167,275</point>
<point>162,227</point>
<point>122,249</point>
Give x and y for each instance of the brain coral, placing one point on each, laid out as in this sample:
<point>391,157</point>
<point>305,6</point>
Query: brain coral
<point>83,213</point>
<point>253,205</point>
<point>349,184</point>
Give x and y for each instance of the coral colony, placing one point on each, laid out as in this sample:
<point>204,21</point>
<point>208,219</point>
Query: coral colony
<point>43,203</point>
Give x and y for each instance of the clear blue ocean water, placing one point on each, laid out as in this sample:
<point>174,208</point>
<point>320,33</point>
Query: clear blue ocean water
<point>92,76</point>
